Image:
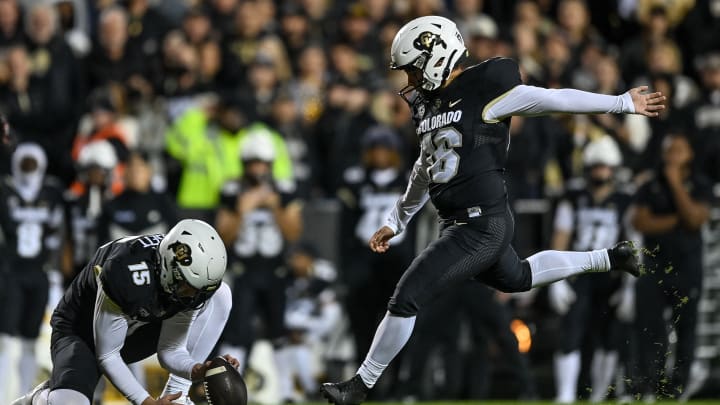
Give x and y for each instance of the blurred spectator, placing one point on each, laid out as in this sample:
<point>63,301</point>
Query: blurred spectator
<point>699,29</point>
<point>31,222</point>
<point>665,57</point>
<point>534,146</point>
<point>102,125</point>
<point>257,220</point>
<point>222,15</point>
<point>115,60</point>
<point>202,149</point>
<point>261,89</point>
<point>294,31</point>
<point>308,87</point>
<point>203,40</point>
<point>670,210</point>
<point>11,32</point>
<point>358,32</point>
<point>368,193</point>
<point>557,60</point>
<point>705,119</point>
<point>75,25</point>
<point>138,210</point>
<point>311,313</point>
<point>54,64</point>
<point>146,27</point>
<point>655,29</point>
<point>339,130</point>
<point>286,120</point>
<point>527,53</point>
<point>86,201</point>
<point>239,48</point>
<point>574,23</point>
<point>482,38</point>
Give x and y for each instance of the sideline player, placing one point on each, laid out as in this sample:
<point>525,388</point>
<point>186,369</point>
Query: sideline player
<point>462,117</point>
<point>31,224</point>
<point>590,216</point>
<point>137,296</point>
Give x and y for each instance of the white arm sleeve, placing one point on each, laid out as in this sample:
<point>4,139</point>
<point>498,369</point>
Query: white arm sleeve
<point>530,100</point>
<point>172,350</point>
<point>564,220</point>
<point>415,197</point>
<point>110,327</point>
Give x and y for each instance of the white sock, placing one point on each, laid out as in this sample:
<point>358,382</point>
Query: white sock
<point>302,357</point>
<point>28,365</point>
<point>567,370</point>
<point>602,371</point>
<point>5,363</point>
<point>391,336</point>
<point>284,368</point>
<point>550,266</point>
<point>66,397</point>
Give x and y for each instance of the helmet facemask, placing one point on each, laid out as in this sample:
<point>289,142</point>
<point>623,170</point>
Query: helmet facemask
<point>176,287</point>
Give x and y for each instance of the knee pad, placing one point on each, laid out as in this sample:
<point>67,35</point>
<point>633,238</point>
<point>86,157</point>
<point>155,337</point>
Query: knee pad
<point>66,397</point>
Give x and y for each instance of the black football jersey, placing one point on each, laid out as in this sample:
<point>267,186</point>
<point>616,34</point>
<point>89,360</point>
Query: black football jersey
<point>128,270</point>
<point>31,228</point>
<point>367,202</point>
<point>466,156</point>
<point>597,224</point>
<point>259,243</point>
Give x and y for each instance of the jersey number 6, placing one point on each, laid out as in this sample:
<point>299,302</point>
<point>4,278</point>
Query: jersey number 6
<point>444,162</point>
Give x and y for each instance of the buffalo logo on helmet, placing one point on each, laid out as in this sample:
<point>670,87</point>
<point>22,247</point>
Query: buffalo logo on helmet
<point>426,41</point>
<point>183,253</point>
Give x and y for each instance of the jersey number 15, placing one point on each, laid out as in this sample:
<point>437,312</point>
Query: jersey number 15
<point>140,273</point>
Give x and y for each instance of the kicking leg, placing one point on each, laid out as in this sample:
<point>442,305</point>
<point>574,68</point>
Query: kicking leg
<point>461,252</point>
<point>552,265</point>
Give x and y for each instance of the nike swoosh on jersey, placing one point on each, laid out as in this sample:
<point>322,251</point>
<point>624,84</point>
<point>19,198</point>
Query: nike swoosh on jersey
<point>453,103</point>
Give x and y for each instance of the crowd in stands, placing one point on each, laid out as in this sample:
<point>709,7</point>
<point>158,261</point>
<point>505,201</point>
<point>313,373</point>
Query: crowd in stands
<point>159,106</point>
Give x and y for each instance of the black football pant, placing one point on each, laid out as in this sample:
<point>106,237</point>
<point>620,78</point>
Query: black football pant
<point>256,292</point>
<point>591,313</point>
<point>25,294</point>
<point>679,290</point>
<point>477,249</point>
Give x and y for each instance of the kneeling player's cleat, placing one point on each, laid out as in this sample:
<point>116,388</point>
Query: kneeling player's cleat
<point>350,392</point>
<point>27,399</point>
<point>623,257</point>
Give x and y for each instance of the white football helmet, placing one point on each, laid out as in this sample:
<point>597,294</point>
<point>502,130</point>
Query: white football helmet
<point>192,252</point>
<point>431,44</point>
<point>98,153</point>
<point>258,145</point>
<point>602,151</point>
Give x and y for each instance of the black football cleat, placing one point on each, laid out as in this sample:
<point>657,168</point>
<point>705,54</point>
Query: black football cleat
<point>350,392</point>
<point>623,257</point>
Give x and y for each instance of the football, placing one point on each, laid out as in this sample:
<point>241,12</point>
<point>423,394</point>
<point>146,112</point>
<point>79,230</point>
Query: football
<point>223,384</point>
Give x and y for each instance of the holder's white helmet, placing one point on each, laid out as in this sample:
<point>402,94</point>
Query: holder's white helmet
<point>602,151</point>
<point>432,44</point>
<point>193,253</point>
